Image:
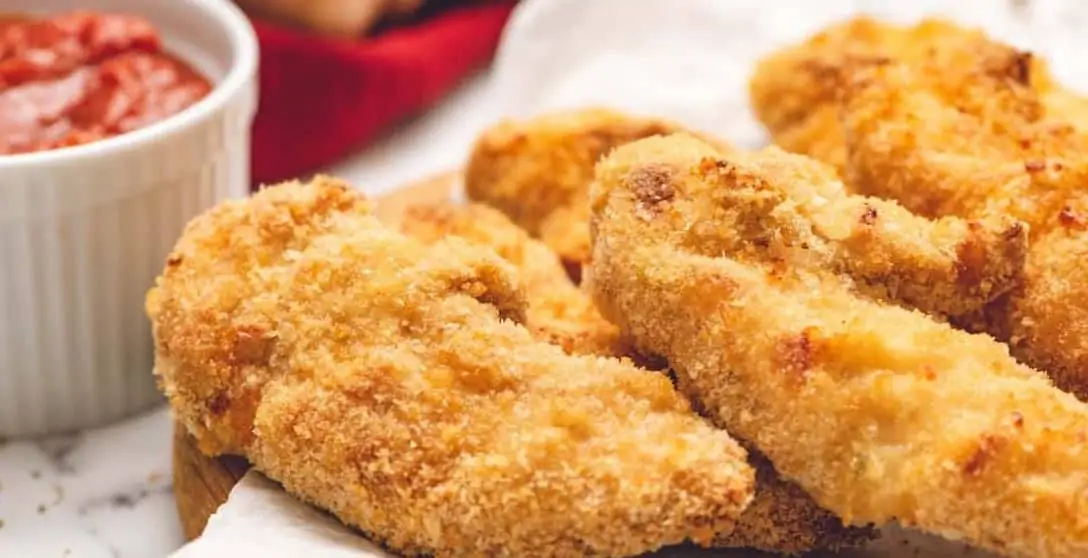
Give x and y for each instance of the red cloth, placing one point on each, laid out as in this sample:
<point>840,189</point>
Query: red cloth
<point>322,97</point>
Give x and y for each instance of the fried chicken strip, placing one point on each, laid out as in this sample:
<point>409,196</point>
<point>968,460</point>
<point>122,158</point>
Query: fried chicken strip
<point>879,412</point>
<point>789,209</point>
<point>796,91</point>
<point>781,517</point>
<point>538,171</point>
<point>389,382</point>
<point>980,144</point>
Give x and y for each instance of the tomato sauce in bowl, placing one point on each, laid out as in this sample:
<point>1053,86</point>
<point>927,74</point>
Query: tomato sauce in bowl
<point>78,77</point>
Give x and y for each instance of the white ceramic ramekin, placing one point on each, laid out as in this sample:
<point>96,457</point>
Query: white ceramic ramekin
<point>85,230</point>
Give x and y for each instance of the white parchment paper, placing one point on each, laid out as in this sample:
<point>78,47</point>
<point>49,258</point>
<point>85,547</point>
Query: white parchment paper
<point>688,60</point>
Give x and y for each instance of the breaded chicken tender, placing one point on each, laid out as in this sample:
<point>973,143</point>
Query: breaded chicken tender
<point>977,143</point>
<point>538,171</point>
<point>781,517</point>
<point>793,211</point>
<point>390,383</point>
<point>558,311</point>
<point>796,91</point>
<point>984,143</point>
<point>879,412</point>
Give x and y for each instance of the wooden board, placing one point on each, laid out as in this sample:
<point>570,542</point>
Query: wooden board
<point>201,483</point>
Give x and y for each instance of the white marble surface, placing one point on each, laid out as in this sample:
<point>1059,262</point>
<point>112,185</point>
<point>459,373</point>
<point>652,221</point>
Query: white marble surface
<point>104,493</point>
<point>107,493</point>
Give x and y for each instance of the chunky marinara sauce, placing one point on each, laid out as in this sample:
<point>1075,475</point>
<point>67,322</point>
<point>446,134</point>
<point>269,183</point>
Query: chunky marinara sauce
<point>79,77</point>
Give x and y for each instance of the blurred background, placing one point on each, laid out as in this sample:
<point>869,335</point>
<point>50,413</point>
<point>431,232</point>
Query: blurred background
<point>336,76</point>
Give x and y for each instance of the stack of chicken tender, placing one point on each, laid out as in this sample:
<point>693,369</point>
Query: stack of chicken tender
<point>636,335</point>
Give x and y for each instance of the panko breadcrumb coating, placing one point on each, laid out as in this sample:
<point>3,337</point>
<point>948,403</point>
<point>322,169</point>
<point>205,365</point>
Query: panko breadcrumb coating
<point>538,171</point>
<point>796,91</point>
<point>558,311</point>
<point>781,517</point>
<point>879,412</point>
<point>984,143</point>
<point>947,267</point>
<point>390,383</point>
<point>793,211</point>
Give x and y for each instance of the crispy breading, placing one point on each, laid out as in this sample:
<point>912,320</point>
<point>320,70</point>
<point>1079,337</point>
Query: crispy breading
<point>879,412</point>
<point>977,144</point>
<point>792,210</point>
<point>390,383</point>
<point>784,519</point>
<point>781,517</point>
<point>983,143</point>
<point>796,91</point>
<point>538,171</point>
<point>558,311</point>
<point>1047,320</point>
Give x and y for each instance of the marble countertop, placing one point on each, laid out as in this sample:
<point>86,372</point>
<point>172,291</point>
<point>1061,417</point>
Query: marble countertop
<point>107,493</point>
<point>103,493</point>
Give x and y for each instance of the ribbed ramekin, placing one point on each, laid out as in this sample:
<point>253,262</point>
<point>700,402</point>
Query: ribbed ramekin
<point>85,230</point>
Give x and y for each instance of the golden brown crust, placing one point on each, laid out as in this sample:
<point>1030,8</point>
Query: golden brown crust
<point>388,382</point>
<point>1047,321</point>
<point>878,412</point>
<point>207,265</point>
<point>947,121</point>
<point>538,172</point>
<point>974,144</point>
<point>781,517</point>
<point>559,312</point>
<point>796,91</point>
<point>774,206</point>
<point>985,142</point>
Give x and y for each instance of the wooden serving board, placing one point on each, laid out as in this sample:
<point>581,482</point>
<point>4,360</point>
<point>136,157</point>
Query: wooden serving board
<point>201,483</point>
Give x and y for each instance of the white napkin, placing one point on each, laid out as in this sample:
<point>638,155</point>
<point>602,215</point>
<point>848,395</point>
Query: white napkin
<point>260,519</point>
<point>688,60</point>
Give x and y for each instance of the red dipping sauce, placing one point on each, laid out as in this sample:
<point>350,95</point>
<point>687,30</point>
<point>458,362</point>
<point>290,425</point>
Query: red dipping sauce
<point>79,77</point>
